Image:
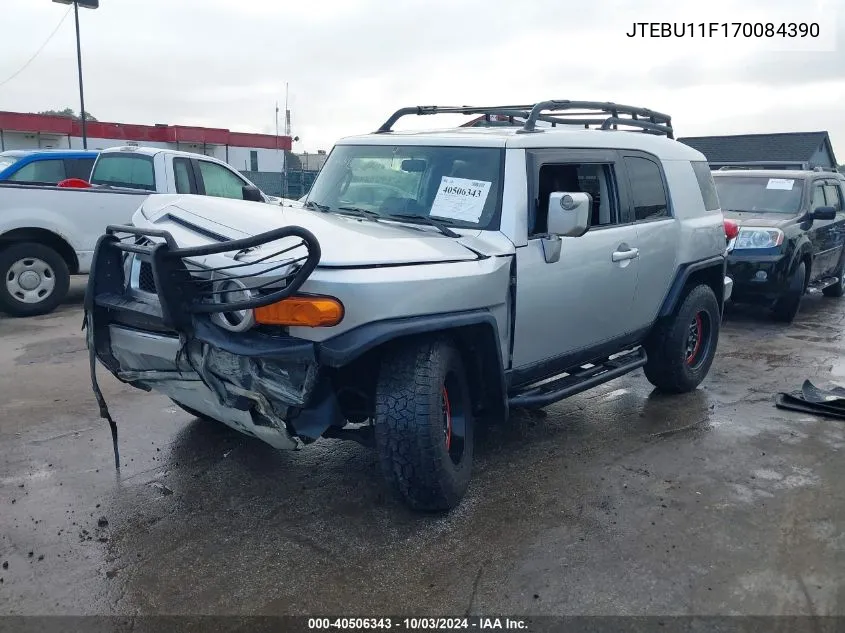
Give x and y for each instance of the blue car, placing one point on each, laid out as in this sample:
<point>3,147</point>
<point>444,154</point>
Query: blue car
<point>45,167</point>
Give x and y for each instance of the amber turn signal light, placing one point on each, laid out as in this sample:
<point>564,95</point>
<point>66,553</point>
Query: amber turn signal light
<point>301,311</point>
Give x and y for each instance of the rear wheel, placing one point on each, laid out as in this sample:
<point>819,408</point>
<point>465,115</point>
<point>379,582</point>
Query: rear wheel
<point>35,279</point>
<point>424,424</point>
<point>681,350</point>
<point>786,308</point>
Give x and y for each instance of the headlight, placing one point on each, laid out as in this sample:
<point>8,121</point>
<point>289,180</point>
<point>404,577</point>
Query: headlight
<point>754,237</point>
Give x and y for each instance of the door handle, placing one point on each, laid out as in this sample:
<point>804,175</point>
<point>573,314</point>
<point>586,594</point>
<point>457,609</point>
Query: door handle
<point>619,256</point>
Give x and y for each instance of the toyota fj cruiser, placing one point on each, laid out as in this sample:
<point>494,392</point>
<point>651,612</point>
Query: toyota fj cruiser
<point>428,281</point>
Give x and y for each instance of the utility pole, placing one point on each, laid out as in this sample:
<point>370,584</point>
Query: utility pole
<point>277,141</point>
<point>86,4</point>
<point>287,133</point>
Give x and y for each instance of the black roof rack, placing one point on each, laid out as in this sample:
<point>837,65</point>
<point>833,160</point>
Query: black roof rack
<point>565,112</point>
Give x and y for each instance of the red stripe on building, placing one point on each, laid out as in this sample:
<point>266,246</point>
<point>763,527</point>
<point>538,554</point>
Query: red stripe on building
<point>50,124</point>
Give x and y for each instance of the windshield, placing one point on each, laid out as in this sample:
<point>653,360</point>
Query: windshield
<point>760,194</point>
<point>459,186</point>
<point>6,161</point>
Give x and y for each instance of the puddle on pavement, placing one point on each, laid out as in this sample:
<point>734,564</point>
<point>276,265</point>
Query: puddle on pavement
<point>838,368</point>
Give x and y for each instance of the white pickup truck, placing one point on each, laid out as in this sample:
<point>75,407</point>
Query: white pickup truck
<point>49,233</point>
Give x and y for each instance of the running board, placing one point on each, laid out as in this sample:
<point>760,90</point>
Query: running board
<point>821,284</point>
<point>585,377</point>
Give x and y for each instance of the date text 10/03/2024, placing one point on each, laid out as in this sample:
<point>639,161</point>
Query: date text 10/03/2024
<point>417,624</point>
<point>724,29</point>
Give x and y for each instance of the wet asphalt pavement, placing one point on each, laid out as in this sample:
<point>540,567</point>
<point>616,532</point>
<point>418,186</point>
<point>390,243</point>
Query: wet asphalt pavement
<point>615,502</point>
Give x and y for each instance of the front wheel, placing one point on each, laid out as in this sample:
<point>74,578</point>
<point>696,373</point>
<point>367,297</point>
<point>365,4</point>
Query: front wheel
<point>786,308</point>
<point>424,424</point>
<point>681,349</point>
<point>35,279</point>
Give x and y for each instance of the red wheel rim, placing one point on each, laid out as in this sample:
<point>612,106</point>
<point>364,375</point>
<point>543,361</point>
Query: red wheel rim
<point>447,412</point>
<point>695,338</point>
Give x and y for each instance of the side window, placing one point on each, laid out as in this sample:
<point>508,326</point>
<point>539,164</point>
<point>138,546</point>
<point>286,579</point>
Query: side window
<point>647,189</point>
<point>41,171</point>
<point>706,184</point>
<point>832,196</point>
<point>818,196</point>
<point>220,182</point>
<point>596,179</point>
<point>182,175</point>
<point>79,167</point>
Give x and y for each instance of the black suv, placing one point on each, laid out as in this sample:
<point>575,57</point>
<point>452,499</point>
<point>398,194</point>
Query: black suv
<point>789,235</point>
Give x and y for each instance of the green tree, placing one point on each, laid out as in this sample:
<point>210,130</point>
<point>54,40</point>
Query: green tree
<point>68,112</point>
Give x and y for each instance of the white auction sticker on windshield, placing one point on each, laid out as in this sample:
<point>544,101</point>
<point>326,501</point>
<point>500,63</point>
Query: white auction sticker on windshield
<point>460,199</point>
<point>780,183</point>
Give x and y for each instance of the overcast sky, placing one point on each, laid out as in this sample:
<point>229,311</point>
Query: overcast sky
<point>350,63</point>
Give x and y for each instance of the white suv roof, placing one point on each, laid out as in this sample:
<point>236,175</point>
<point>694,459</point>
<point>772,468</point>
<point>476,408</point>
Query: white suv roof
<point>660,146</point>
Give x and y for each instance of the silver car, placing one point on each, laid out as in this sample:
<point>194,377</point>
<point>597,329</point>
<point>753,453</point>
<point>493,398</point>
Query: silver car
<point>430,282</point>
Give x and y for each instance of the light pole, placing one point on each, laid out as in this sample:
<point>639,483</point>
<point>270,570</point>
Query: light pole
<point>85,4</point>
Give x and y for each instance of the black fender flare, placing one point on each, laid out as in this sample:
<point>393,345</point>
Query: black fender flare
<point>345,348</point>
<point>683,275</point>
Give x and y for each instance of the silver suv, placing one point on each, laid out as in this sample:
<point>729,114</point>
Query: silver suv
<point>429,281</point>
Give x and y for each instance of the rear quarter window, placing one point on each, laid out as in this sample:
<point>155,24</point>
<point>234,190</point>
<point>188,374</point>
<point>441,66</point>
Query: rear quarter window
<point>125,170</point>
<point>706,184</point>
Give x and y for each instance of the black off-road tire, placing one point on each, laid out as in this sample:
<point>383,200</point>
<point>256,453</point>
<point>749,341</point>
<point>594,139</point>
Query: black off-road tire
<point>837,289</point>
<point>786,308</point>
<point>424,423</point>
<point>681,349</point>
<point>56,272</point>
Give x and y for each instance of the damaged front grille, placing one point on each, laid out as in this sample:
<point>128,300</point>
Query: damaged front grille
<point>146,281</point>
<point>185,283</point>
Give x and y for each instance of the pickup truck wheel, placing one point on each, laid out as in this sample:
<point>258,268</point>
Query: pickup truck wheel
<point>35,279</point>
<point>424,424</point>
<point>681,350</point>
<point>786,308</point>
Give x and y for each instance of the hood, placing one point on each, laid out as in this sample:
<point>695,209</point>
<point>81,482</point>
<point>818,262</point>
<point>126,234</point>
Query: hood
<point>344,241</point>
<point>750,218</point>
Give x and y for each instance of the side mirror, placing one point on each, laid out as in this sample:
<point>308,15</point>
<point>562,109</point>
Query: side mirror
<point>823,213</point>
<point>252,193</point>
<point>569,213</point>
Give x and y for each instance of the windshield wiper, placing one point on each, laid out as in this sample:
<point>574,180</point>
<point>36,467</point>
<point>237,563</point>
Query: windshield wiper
<point>314,205</point>
<point>404,217</point>
<point>440,225</point>
<point>358,212</point>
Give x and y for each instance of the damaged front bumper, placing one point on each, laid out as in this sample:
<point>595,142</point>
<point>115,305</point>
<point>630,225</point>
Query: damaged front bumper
<point>252,395</point>
<point>266,386</point>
